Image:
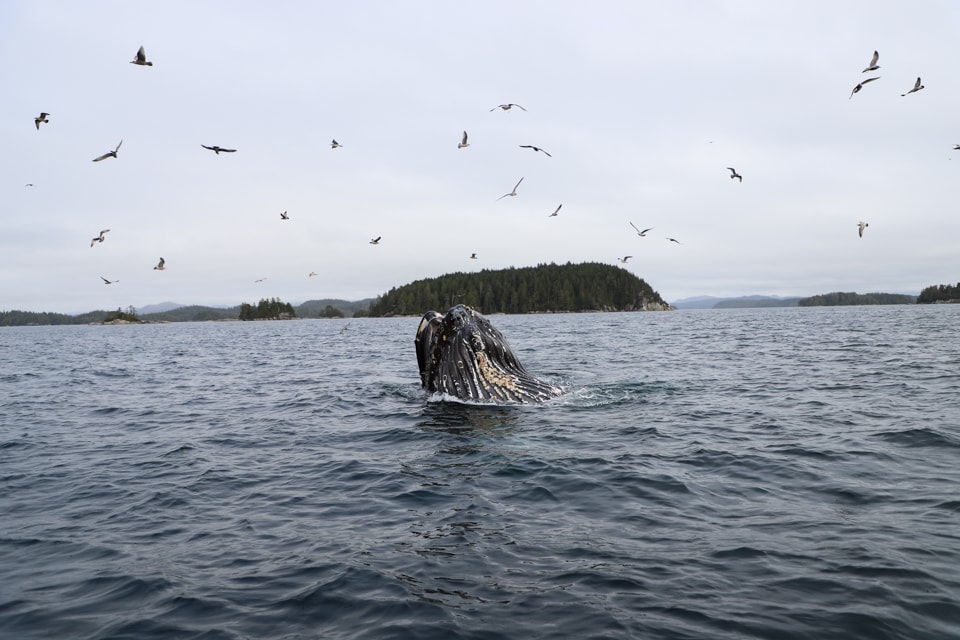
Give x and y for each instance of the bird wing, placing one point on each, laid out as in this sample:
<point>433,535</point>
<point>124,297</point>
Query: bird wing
<point>869,80</point>
<point>206,147</point>
<point>516,105</point>
<point>118,147</point>
<point>142,55</point>
<point>518,184</point>
<point>464,138</point>
<point>103,157</point>
<point>917,85</point>
<point>161,263</point>
<point>635,227</point>
<point>104,279</point>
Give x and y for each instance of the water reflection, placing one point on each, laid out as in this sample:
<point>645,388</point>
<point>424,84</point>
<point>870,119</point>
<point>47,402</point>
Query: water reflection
<point>457,418</point>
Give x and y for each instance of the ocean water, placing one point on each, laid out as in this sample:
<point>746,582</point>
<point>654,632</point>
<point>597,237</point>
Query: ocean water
<point>767,473</point>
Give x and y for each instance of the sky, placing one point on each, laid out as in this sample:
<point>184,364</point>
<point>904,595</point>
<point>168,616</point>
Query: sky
<point>642,106</point>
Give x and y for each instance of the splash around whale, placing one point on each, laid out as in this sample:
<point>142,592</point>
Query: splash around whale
<point>462,355</point>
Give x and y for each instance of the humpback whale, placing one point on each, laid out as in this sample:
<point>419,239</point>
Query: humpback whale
<point>461,354</point>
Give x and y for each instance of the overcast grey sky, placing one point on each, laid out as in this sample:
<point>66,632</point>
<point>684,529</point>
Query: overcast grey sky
<point>642,105</point>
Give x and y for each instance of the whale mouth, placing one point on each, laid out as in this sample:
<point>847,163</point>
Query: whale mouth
<point>461,354</point>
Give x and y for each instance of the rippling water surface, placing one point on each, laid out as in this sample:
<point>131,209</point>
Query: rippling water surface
<point>774,473</point>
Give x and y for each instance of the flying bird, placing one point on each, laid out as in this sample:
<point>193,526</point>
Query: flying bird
<point>955,148</point>
<point>555,211</point>
<point>916,87</point>
<point>334,144</point>
<point>873,63</point>
<point>284,216</point>
<point>40,118</point>
<point>639,232</point>
<point>217,150</point>
<point>376,240</point>
<point>99,238</point>
<point>160,265</point>
<point>733,174</point>
<point>507,107</point>
<point>109,154</point>
<point>624,259</point>
<point>859,86</point>
<point>105,281</point>
<point>260,280</point>
<point>512,193</point>
<point>530,146</point>
<point>463,143</point>
<point>311,274</point>
<point>861,226</point>
<point>674,240</point>
<point>141,59</point>
<point>473,256</point>
<point>30,184</point>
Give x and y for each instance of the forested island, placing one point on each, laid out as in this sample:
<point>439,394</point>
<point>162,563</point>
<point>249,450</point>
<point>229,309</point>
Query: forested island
<point>940,293</point>
<point>590,286</point>
<point>840,298</point>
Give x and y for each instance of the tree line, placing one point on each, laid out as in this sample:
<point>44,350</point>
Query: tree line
<point>939,293</point>
<point>841,298</point>
<point>545,288</point>
<point>272,309</point>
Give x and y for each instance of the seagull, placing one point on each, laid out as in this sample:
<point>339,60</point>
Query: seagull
<point>30,184</point>
<point>473,256</point>
<point>40,118</point>
<point>109,154</point>
<point>141,59</point>
<point>916,87</point>
<point>463,143</point>
<point>674,240</point>
<point>955,148</point>
<point>217,149</point>
<point>311,274</point>
<point>733,174</point>
<point>284,216</point>
<point>555,211</point>
<point>512,193</point>
<point>530,146</point>
<point>507,107</point>
<point>624,259</point>
<point>861,226</point>
<point>99,238</point>
<point>376,240</point>
<point>260,280</point>
<point>860,85</point>
<point>334,144</point>
<point>160,265</point>
<point>873,63</point>
<point>105,281</point>
<point>639,232</point>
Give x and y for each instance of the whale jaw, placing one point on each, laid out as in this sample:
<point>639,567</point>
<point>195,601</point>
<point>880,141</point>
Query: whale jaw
<point>462,355</point>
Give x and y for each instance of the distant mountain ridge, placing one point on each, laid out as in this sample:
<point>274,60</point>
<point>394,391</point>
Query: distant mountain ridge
<point>740,302</point>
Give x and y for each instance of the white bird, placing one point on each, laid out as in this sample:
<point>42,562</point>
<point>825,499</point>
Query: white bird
<point>334,144</point>
<point>873,66</point>
<point>916,87</point>
<point>105,281</point>
<point>99,238</point>
<point>376,240</point>
<point>859,86</point>
<point>861,226</point>
<point>463,143</point>
<point>734,174</point>
<point>555,211</point>
<point>218,150</point>
<point>160,265</point>
<point>624,259</point>
<point>512,193</point>
<point>141,59</point>
<point>41,118</point>
<point>507,107</point>
<point>639,232</point>
<point>109,154</point>
<point>530,146</point>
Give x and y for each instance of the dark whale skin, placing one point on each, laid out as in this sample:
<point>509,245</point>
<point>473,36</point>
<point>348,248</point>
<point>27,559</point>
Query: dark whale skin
<point>462,355</point>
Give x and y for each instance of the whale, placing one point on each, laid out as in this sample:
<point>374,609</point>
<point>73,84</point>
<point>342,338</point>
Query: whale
<point>461,354</point>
